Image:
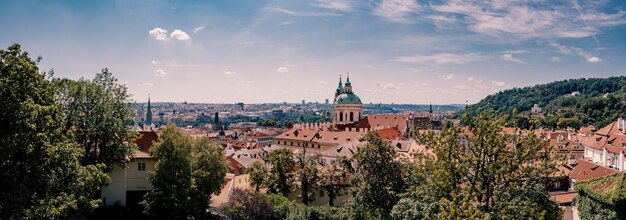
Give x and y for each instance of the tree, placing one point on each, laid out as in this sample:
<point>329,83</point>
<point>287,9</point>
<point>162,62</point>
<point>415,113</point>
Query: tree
<point>281,172</point>
<point>334,179</point>
<point>308,176</point>
<point>377,181</point>
<point>40,169</point>
<point>208,175</point>
<point>98,112</point>
<point>186,174</point>
<point>171,180</point>
<point>258,175</point>
<point>500,175</point>
<point>247,205</point>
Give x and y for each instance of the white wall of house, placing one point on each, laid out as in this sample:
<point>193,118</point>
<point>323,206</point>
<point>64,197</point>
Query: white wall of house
<point>129,178</point>
<point>115,192</point>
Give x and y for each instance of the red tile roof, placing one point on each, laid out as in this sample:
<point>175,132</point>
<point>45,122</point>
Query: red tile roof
<point>586,170</point>
<point>235,167</point>
<point>389,133</point>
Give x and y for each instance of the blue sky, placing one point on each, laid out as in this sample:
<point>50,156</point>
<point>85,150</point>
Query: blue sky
<point>398,51</point>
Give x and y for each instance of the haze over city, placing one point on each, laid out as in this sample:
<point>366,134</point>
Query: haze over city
<point>285,51</point>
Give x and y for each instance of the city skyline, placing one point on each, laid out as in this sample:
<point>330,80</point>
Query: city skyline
<point>396,51</point>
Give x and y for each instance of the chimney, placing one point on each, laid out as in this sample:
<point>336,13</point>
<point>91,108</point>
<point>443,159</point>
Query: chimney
<point>621,125</point>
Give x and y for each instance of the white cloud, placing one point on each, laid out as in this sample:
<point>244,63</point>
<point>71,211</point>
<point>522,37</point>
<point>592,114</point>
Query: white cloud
<point>198,29</point>
<point>443,58</point>
<point>154,62</point>
<point>461,87</point>
<point>229,72</point>
<point>387,86</point>
<point>568,50</point>
<point>339,5</point>
<point>160,73</point>
<point>282,70</point>
<point>474,80</point>
<point>146,84</point>
<point>396,10</point>
<point>301,14</point>
<point>247,43</point>
<point>158,34</point>
<point>285,23</point>
<point>510,57</point>
<point>498,83</point>
<point>179,35</point>
<point>446,76</point>
<point>529,19</point>
<point>555,59</point>
<point>323,82</point>
<point>594,59</point>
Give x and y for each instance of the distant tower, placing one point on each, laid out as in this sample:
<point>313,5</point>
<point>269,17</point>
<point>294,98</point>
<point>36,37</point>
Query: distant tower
<point>216,122</point>
<point>149,113</point>
<point>430,111</point>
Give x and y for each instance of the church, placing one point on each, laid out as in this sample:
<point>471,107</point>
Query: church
<point>341,136</point>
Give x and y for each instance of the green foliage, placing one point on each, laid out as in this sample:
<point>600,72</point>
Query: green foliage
<point>171,180</point>
<point>589,107</point>
<point>334,179</point>
<point>308,176</point>
<point>285,209</point>
<point>208,175</point>
<point>247,205</point>
<point>491,174</point>
<point>602,198</point>
<point>281,175</point>
<point>40,169</point>
<point>98,111</point>
<point>258,175</point>
<point>377,180</point>
<point>187,173</point>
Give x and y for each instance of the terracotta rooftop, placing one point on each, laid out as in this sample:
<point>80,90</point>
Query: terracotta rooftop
<point>586,170</point>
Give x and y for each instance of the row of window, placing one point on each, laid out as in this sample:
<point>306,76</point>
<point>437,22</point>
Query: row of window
<point>298,144</point>
<point>351,116</point>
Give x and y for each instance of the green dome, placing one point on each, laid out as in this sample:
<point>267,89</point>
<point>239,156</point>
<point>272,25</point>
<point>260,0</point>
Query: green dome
<point>348,98</point>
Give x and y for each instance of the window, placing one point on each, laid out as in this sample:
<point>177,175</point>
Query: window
<point>557,185</point>
<point>340,116</point>
<point>351,116</point>
<point>141,166</point>
<point>141,147</point>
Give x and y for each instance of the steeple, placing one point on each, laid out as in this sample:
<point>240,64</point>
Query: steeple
<point>149,113</point>
<point>339,88</point>
<point>348,87</point>
<point>430,110</point>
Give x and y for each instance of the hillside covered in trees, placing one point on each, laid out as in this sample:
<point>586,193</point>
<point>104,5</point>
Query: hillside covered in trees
<point>567,103</point>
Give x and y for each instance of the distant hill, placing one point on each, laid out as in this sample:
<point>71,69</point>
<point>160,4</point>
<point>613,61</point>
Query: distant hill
<point>567,103</point>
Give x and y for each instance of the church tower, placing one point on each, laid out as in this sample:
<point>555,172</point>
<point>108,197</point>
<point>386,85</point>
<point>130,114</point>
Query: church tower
<point>347,107</point>
<point>339,88</point>
<point>149,114</point>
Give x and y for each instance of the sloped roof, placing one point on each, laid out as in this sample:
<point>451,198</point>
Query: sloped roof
<point>586,170</point>
<point>389,133</point>
<point>383,121</point>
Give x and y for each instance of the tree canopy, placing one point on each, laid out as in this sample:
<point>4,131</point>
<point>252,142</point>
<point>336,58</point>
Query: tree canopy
<point>40,169</point>
<point>566,103</point>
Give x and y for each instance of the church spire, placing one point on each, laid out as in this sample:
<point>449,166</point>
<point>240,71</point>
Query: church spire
<point>348,86</point>
<point>339,88</point>
<point>149,113</point>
